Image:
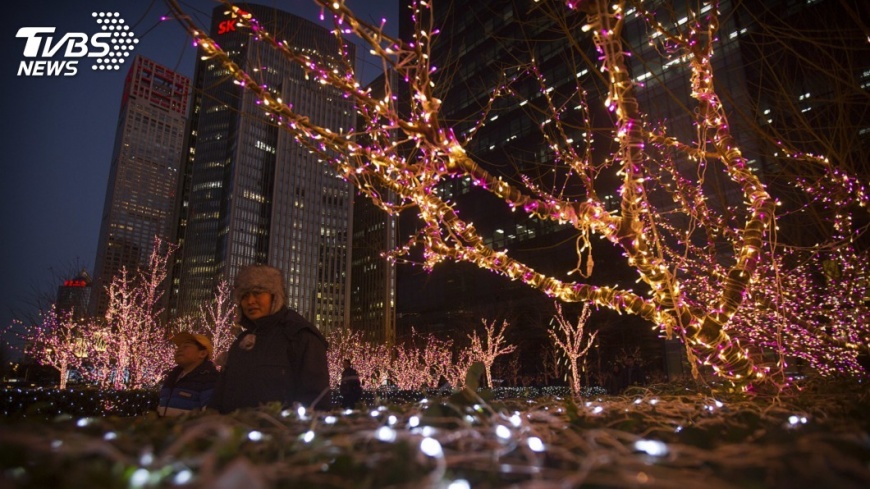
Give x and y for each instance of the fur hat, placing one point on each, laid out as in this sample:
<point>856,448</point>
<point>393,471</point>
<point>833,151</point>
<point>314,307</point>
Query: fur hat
<point>263,278</point>
<point>200,339</point>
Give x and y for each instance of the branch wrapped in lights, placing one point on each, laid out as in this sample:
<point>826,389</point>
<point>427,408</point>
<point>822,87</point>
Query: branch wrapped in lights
<point>705,332</point>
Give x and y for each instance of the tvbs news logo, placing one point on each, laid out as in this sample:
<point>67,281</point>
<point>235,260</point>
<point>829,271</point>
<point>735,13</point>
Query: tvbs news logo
<point>46,53</point>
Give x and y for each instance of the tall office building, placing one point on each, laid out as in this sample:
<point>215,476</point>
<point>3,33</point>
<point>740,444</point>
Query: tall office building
<point>255,195</point>
<point>144,174</point>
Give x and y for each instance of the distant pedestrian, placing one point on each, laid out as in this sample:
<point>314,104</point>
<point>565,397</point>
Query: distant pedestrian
<point>632,373</point>
<point>350,387</point>
<point>638,375</point>
<point>189,386</point>
<point>615,380</point>
<point>278,357</point>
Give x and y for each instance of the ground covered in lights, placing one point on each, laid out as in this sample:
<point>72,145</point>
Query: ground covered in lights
<point>818,436</point>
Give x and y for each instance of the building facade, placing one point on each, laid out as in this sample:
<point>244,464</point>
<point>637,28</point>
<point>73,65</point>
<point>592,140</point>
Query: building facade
<point>143,178</point>
<point>373,276</point>
<point>251,193</point>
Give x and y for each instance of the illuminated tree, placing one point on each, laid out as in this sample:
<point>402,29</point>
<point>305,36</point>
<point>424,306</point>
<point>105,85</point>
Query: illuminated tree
<point>551,365</point>
<point>217,319</point>
<point>509,370</point>
<point>67,342</point>
<point>457,369</point>
<point>437,357</point>
<point>59,340</point>
<point>666,221</point>
<point>136,341</point>
<point>407,369</point>
<point>419,361</point>
<point>573,342</point>
<point>370,361</point>
<point>487,349</point>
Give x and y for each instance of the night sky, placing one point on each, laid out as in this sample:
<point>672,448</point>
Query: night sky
<point>58,134</point>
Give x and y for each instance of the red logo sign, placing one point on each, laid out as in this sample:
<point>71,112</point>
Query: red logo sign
<point>227,26</point>
<point>230,25</point>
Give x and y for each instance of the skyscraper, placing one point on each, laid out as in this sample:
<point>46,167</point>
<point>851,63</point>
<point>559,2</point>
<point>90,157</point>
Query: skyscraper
<point>254,195</point>
<point>144,174</point>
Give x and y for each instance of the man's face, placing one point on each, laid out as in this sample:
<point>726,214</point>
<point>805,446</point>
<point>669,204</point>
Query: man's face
<point>256,304</point>
<point>189,354</point>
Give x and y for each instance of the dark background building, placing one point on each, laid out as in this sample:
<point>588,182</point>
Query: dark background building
<point>75,295</point>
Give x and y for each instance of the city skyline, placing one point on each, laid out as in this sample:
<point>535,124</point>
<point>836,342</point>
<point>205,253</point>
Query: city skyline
<point>63,134</point>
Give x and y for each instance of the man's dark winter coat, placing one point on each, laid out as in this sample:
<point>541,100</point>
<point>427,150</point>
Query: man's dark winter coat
<point>277,358</point>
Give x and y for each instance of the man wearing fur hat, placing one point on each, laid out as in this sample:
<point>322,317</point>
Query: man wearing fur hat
<point>189,386</point>
<point>278,357</point>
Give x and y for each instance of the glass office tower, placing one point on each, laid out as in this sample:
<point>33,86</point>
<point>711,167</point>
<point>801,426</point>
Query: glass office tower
<point>252,194</point>
<point>144,174</point>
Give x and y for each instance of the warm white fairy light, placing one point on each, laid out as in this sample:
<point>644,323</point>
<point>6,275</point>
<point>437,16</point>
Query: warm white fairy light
<point>535,444</point>
<point>651,447</point>
<point>795,420</point>
<point>431,447</point>
<point>386,434</point>
<point>183,477</point>
<point>502,432</point>
<point>139,478</point>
